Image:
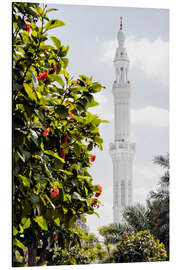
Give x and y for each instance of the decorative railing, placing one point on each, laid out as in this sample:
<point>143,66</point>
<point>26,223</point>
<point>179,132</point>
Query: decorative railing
<point>123,146</point>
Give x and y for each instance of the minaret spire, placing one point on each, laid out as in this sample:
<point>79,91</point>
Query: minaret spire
<point>121,23</point>
<point>122,150</point>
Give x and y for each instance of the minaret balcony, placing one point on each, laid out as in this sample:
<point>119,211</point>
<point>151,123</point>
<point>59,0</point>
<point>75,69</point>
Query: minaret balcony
<point>121,58</point>
<point>121,85</point>
<point>121,146</point>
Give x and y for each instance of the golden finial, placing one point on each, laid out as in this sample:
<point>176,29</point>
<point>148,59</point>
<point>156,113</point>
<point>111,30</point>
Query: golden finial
<point>121,23</point>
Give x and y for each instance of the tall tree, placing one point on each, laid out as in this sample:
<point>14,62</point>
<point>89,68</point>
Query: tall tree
<point>158,204</point>
<point>53,136</point>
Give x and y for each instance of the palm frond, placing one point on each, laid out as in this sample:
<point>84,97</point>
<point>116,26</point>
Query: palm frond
<point>162,160</point>
<point>136,217</point>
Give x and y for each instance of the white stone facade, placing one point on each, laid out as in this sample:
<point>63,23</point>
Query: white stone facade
<point>122,151</point>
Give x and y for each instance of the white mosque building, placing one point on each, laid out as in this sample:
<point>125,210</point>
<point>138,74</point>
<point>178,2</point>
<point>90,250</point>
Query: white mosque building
<point>122,150</point>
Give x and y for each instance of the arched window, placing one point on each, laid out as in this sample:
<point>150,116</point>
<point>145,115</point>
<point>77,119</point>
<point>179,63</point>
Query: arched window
<point>116,193</point>
<point>129,191</point>
<point>123,193</point>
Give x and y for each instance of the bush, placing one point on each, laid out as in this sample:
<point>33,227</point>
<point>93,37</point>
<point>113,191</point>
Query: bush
<point>141,247</point>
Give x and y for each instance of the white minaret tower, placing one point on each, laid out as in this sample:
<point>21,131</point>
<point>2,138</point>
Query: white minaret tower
<point>122,150</point>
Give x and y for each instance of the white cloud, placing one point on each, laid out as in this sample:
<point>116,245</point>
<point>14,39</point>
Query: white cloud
<point>150,116</point>
<point>104,110</point>
<point>151,56</point>
<point>150,173</point>
<point>146,116</point>
<point>108,50</point>
<point>146,179</point>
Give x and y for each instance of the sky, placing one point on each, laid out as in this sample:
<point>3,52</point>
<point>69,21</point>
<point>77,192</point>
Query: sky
<point>91,32</point>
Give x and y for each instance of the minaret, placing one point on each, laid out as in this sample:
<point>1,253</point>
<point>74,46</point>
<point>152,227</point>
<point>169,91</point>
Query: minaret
<point>122,150</point>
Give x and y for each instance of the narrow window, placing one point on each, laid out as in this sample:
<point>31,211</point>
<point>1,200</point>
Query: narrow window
<point>123,193</point>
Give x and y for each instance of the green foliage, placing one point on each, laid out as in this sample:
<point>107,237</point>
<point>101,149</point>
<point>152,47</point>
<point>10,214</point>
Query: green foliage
<point>136,216</point>
<point>141,247</point>
<point>53,23</point>
<point>112,233</point>
<point>43,98</point>
<point>41,222</point>
<point>158,204</point>
<point>90,251</point>
<point>154,217</point>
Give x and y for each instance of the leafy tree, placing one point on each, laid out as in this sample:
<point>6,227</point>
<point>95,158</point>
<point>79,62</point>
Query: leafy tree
<point>53,136</point>
<point>141,247</point>
<point>113,233</point>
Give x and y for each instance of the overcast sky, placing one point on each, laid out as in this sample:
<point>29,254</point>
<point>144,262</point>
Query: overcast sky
<point>91,33</point>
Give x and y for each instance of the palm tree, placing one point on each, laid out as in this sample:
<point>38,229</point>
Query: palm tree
<point>163,161</point>
<point>137,217</point>
<point>154,216</point>
<point>158,204</point>
<point>113,232</point>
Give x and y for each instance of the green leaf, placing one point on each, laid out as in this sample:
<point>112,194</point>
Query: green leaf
<point>58,68</point>
<point>76,196</point>
<point>67,198</point>
<point>53,23</point>
<point>46,47</point>
<point>26,222</point>
<point>57,221</point>
<point>39,10</point>
<point>72,220</point>
<point>17,243</point>
<point>56,42</point>
<point>21,229</point>
<point>85,79</point>
<point>63,50</point>
<point>98,139</point>
<point>83,219</point>
<point>65,210</point>
<point>104,121</point>
<point>15,231</point>
<point>58,165</point>
<point>67,172</point>
<point>41,222</point>
<point>67,77</point>
<point>24,179</point>
<point>31,94</point>
<point>90,118</point>
<point>96,87</point>
<point>65,62</point>
<point>53,154</point>
<point>51,9</point>
<point>55,77</point>
<point>93,103</point>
